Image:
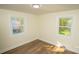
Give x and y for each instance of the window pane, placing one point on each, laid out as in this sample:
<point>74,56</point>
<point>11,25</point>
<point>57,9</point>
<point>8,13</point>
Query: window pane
<point>64,30</point>
<point>17,24</point>
<point>65,21</point>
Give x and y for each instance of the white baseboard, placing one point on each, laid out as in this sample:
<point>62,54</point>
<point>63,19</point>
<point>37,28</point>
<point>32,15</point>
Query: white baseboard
<point>48,41</point>
<point>73,50</point>
<point>9,48</point>
<point>12,47</point>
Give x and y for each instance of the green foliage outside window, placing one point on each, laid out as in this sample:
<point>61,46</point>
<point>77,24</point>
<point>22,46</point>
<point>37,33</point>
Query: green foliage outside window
<point>64,26</point>
<point>64,31</point>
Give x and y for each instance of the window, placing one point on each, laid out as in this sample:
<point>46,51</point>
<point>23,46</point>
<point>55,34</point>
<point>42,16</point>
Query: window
<point>17,24</point>
<point>65,25</point>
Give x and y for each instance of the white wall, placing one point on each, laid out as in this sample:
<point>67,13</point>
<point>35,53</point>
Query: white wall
<point>43,27</point>
<point>9,41</point>
<point>49,29</point>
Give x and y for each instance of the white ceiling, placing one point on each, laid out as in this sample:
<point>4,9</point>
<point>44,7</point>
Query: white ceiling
<point>45,8</point>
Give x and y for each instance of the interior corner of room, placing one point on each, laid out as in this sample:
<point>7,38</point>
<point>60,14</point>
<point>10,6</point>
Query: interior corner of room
<point>38,24</point>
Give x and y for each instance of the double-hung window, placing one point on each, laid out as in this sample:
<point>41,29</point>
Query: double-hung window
<point>65,25</point>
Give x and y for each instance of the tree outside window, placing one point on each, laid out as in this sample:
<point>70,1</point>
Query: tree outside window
<point>65,26</point>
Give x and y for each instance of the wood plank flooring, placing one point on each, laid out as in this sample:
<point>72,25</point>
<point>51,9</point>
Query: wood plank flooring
<point>36,47</point>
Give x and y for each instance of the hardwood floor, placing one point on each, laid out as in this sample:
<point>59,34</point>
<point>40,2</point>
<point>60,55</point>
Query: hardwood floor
<point>36,47</point>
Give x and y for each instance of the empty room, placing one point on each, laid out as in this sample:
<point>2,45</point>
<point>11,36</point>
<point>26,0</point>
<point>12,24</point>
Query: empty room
<point>39,28</point>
